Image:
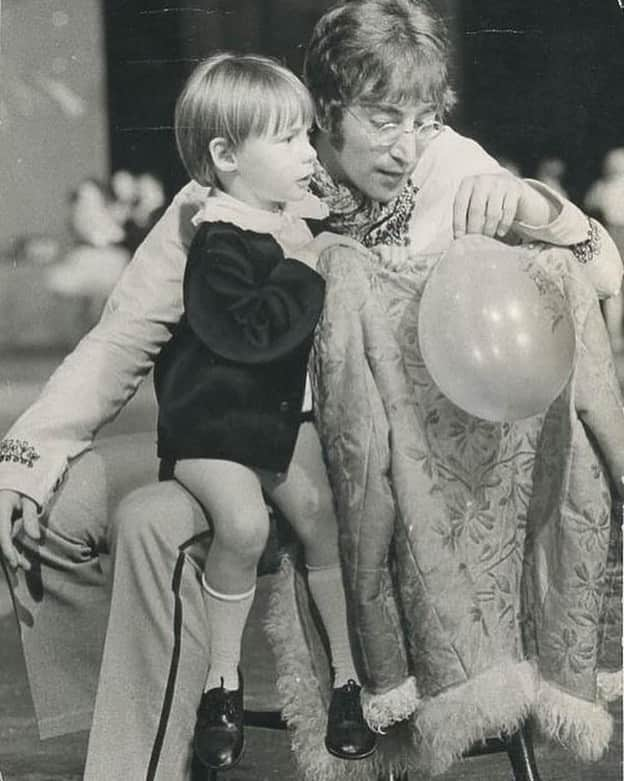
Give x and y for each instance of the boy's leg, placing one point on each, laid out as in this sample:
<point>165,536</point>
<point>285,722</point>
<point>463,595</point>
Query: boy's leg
<point>231,495</point>
<point>156,650</point>
<point>306,500</point>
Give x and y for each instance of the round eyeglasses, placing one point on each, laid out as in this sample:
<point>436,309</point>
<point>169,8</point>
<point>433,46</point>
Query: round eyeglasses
<point>386,134</point>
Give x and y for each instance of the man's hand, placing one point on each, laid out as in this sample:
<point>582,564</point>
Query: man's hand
<point>312,251</point>
<point>488,204</point>
<point>13,507</point>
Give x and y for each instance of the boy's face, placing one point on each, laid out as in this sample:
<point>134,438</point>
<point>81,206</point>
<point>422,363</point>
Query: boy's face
<point>272,170</point>
<point>365,160</point>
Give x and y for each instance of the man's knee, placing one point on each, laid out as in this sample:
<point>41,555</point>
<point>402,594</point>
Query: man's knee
<point>78,512</point>
<point>157,513</point>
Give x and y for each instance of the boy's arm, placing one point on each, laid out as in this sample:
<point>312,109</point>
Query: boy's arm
<point>102,374</point>
<point>244,299</point>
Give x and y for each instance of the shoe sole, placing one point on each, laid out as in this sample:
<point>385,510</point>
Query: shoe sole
<point>221,768</point>
<point>350,756</point>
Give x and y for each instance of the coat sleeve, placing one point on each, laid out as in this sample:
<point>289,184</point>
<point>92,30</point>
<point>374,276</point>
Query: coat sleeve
<point>244,299</point>
<point>104,371</point>
<point>455,157</point>
<point>572,227</point>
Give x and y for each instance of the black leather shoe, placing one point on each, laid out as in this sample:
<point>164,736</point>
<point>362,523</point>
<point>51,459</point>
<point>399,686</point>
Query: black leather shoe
<point>218,739</point>
<point>348,735</point>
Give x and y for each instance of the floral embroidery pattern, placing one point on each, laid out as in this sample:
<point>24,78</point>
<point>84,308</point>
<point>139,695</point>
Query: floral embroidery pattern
<point>468,513</point>
<point>18,451</point>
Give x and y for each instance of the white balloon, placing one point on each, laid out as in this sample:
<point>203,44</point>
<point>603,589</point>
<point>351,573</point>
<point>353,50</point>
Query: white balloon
<point>495,332</point>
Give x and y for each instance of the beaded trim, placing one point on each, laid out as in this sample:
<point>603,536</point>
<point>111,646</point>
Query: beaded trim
<point>586,250</point>
<point>18,451</point>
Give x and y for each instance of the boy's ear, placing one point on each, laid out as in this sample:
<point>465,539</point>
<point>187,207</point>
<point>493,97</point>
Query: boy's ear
<point>223,155</point>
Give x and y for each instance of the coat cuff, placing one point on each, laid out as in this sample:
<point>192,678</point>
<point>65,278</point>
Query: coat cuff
<point>568,227</point>
<point>594,249</point>
<point>31,468</point>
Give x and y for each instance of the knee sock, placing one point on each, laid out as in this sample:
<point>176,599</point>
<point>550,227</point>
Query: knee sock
<point>227,614</point>
<point>325,584</point>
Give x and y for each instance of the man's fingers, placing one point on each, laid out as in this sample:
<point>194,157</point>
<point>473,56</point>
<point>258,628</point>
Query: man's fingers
<point>460,208</point>
<point>477,211</point>
<point>6,546</point>
<point>12,505</point>
<point>22,561</point>
<point>7,508</point>
<point>31,519</point>
<point>493,213</point>
<point>510,207</point>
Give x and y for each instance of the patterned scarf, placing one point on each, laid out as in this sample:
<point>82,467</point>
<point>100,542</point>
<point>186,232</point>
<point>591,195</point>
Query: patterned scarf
<point>355,215</point>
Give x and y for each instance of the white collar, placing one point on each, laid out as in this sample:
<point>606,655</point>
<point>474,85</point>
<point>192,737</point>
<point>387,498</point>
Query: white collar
<point>221,207</point>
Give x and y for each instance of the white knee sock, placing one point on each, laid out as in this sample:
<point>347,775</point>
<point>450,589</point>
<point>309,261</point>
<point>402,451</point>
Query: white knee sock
<point>227,614</point>
<point>325,584</point>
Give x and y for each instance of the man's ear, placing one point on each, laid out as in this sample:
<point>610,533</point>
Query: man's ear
<point>223,156</point>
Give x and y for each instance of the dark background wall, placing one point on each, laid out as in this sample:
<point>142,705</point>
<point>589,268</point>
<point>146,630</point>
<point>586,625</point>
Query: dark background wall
<point>535,78</point>
<point>545,77</point>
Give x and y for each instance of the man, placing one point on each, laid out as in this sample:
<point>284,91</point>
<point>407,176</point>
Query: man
<point>392,175</point>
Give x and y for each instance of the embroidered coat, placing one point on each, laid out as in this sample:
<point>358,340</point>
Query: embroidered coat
<point>474,553</point>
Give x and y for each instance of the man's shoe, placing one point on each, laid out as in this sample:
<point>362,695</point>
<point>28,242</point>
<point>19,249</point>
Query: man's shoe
<point>348,735</point>
<point>218,739</point>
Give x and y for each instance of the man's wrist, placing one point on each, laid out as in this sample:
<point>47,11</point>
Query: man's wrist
<point>585,251</point>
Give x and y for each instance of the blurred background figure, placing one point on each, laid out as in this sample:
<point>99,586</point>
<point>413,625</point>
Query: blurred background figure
<point>605,200</point>
<point>147,206</point>
<point>551,171</point>
<point>107,221</point>
<point>89,270</point>
<point>124,190</point>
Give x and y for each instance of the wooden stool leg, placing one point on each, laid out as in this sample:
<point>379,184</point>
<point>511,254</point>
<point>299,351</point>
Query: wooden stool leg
<point>520,751</point>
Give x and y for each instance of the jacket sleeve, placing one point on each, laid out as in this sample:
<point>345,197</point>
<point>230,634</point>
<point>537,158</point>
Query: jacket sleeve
<point>453,157</point>
<point>571,226</point>
<point>244,299</point>
<point>102,374</point>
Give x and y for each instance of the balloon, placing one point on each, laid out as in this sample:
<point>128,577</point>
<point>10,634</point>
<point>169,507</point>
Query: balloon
<point>495,332</point>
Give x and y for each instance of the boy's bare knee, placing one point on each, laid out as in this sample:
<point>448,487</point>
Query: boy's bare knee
<point>245,533</point>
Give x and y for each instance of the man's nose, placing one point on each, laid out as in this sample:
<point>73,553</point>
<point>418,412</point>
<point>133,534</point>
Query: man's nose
<point>404,148</point>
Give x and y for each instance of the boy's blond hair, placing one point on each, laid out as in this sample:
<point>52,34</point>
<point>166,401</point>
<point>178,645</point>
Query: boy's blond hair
<point>235,96</point>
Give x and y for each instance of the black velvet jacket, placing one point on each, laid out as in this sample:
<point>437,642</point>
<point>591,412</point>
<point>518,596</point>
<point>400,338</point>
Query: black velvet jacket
<point>231,380</point>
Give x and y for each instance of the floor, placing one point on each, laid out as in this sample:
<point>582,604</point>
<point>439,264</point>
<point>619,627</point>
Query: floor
<point>24,758</point>
<point>267,756</point>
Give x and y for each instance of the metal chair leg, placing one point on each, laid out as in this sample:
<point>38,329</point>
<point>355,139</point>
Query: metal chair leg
<point>201,773</point>
<point>520,752</point>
